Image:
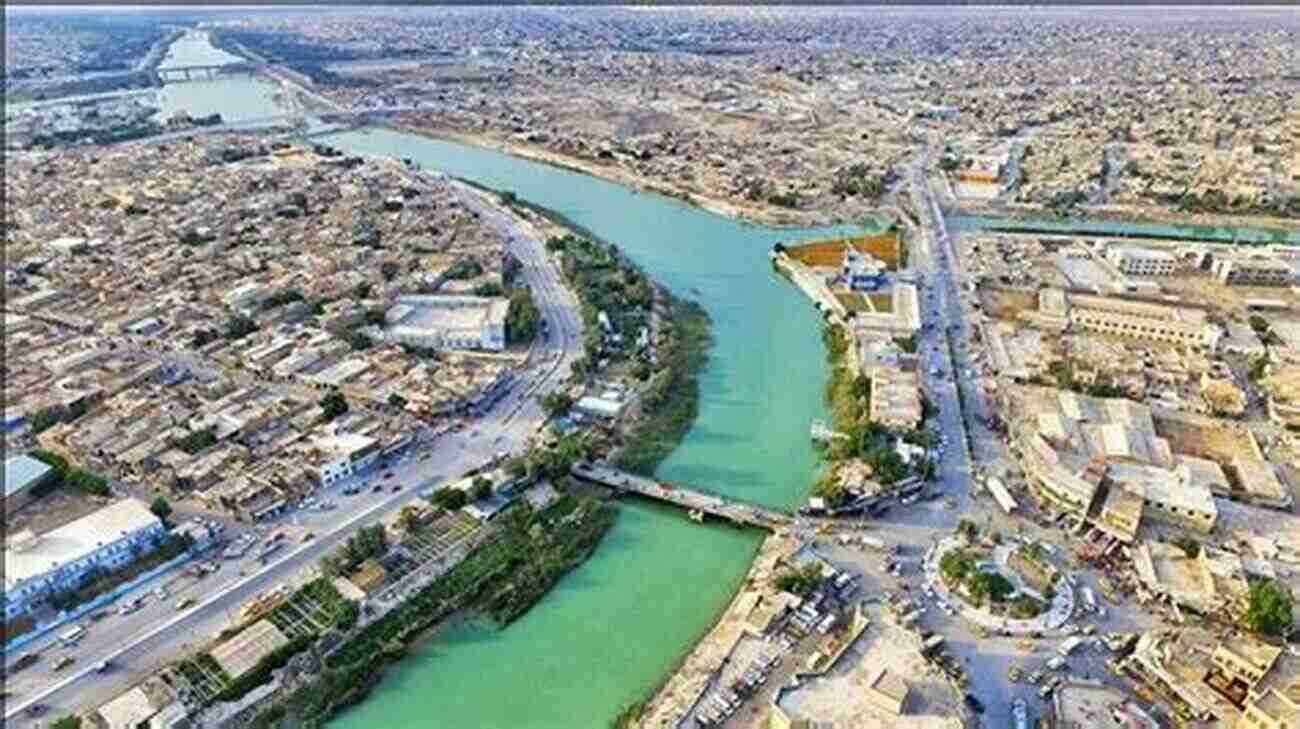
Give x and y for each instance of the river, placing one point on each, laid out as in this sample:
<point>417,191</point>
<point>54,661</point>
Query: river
<point>615,626</point>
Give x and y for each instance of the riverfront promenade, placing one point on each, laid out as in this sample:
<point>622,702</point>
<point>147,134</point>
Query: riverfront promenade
<point>717,506</point>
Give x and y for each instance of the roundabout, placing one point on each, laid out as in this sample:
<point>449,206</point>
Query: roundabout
<point>992,574</point>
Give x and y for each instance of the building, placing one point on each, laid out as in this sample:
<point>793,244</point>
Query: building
<point>887,691</point>
<point>604,408</point>
<point>1129,318</point>
<point>1245,659</point>
<point>1212,581</point>
<point>37,566</point>
<point>1272,709</point>
<point>1253,271</point>
<point>449,322</point>
<point>1142,261</point>
<point>339,456</point>
<point>23,475</point>
<point>895,398</point>
<point>1259,483</point>
<point>861,271</point>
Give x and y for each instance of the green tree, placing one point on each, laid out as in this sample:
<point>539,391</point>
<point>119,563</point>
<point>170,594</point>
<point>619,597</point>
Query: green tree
<point>1270,607</point>
<point>556,403</point>
<point>239,326</point>
<point>361,290</point>
<point>967,529</point>
<point>482,488</point>
<point>396,401</point>
<point>333,405</point>
<point>71,721</point>
<point>523,319</point>
<point>955,565</point>
<point>450,499</point>
<point>801,581</point>
<point>389,270</point>
<point>989,585</point>
<point>161,508</point>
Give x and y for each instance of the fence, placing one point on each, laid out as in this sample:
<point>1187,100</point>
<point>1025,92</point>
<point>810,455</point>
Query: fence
<point>108,597</point>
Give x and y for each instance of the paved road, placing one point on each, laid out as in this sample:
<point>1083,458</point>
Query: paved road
<point>138,644</point>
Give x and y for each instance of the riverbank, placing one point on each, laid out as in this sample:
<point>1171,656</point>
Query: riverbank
<point>681,689</point>
<point>771,217</point>
<point>503,578</point>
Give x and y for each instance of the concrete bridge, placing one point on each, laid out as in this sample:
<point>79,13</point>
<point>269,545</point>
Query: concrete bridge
<point>720,507</point>
<point>192,73</point>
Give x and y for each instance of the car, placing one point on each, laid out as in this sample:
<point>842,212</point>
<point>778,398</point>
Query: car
<point>975,704</point>
<point>388,474</point>
<point>184,602</point>
<point>37,709</point>
<point>377,488</point>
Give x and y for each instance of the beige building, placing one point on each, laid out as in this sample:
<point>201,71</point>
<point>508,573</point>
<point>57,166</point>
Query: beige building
<point>1245,659</point>
<point>895,398</point>
<point>1253,271</point>
<point>1142,261</point>
<point>1272,709</point>
<point>1130,318</point>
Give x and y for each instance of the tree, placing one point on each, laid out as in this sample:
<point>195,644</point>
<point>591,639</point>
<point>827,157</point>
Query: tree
<point>408,518</point>
<point>396,401</point>
<point>68,722</point>
<point>389,270</point>
<point>801,581</point>
<point>523,318</point>
<point>556,403</point>
<point>1270,607</point>
<point>333,405</point>
<point>450,499</point>
<point>359,341</point>
<point>361,290</point>
<point>482,488</point>
<point>955,565</point>
<point>967,529</point>
<point>990,585</point>
<point>161,508</point>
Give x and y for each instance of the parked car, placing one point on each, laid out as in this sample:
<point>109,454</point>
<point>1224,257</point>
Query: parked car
<point>975,704</point>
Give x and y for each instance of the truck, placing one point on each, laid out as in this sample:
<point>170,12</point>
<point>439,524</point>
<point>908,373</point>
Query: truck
<point>874,543</point>
<point>1067,647</point>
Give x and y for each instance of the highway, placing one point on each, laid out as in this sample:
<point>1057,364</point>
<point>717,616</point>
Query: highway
<point>137,645</point>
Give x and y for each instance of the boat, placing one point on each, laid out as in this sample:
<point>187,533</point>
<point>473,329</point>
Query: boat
<point>697,515</point>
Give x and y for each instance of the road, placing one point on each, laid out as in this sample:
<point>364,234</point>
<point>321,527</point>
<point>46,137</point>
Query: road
<point>138,644</point>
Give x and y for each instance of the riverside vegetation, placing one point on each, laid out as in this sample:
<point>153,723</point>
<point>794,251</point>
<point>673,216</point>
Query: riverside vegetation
<point>502,578</point>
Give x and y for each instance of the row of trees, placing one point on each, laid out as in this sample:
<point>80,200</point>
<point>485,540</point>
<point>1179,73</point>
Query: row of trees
<point>66,474</point>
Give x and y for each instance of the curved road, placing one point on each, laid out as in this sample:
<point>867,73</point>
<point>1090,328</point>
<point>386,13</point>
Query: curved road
<point>509,425</point>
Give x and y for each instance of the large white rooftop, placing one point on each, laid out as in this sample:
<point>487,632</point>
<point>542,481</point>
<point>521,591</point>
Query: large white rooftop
<point>33,556</point>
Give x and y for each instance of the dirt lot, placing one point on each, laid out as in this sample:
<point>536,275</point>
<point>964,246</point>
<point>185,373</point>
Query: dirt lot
<point>1006,303</point>
<point>830,253</point>
<point>1206,437</point>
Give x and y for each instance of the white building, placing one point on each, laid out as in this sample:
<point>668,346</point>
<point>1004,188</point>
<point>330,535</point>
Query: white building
<point>449,322</point>
<point>60,559</point>
<point>1142,261</point>
<point>245,295</point>
<point>339,456</point>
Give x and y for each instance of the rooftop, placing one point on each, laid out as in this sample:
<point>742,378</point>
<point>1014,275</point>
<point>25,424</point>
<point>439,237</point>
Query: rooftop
<point>36,555</point>
<point>22,471</point>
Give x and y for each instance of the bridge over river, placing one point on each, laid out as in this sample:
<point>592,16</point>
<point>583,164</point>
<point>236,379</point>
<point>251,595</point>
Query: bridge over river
<point>735,511</point>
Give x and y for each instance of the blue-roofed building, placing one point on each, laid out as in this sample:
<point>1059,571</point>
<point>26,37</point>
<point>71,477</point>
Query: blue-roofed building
<point>22,474</point>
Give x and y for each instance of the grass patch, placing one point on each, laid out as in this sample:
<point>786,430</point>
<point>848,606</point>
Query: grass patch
<point>854,302</point>
<point>883,303</point>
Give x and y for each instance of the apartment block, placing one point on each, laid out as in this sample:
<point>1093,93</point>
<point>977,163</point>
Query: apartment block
<point>1142,261</point>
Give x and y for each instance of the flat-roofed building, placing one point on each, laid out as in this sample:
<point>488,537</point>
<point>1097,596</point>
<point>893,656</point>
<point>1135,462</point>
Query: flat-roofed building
<point>887,691</point>
<point>895,398</point>
<point>37,566</point>
<point>23,474</point>
<point>449,322</point>
<point>1259,483</point>
<point>1137,261</point>
<point>339,456</point>
<point>1121,514</point>
<point>1245,658</point>
<point>1164,497</point>
<point>1253,271</point>
<point>1272,709</point>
